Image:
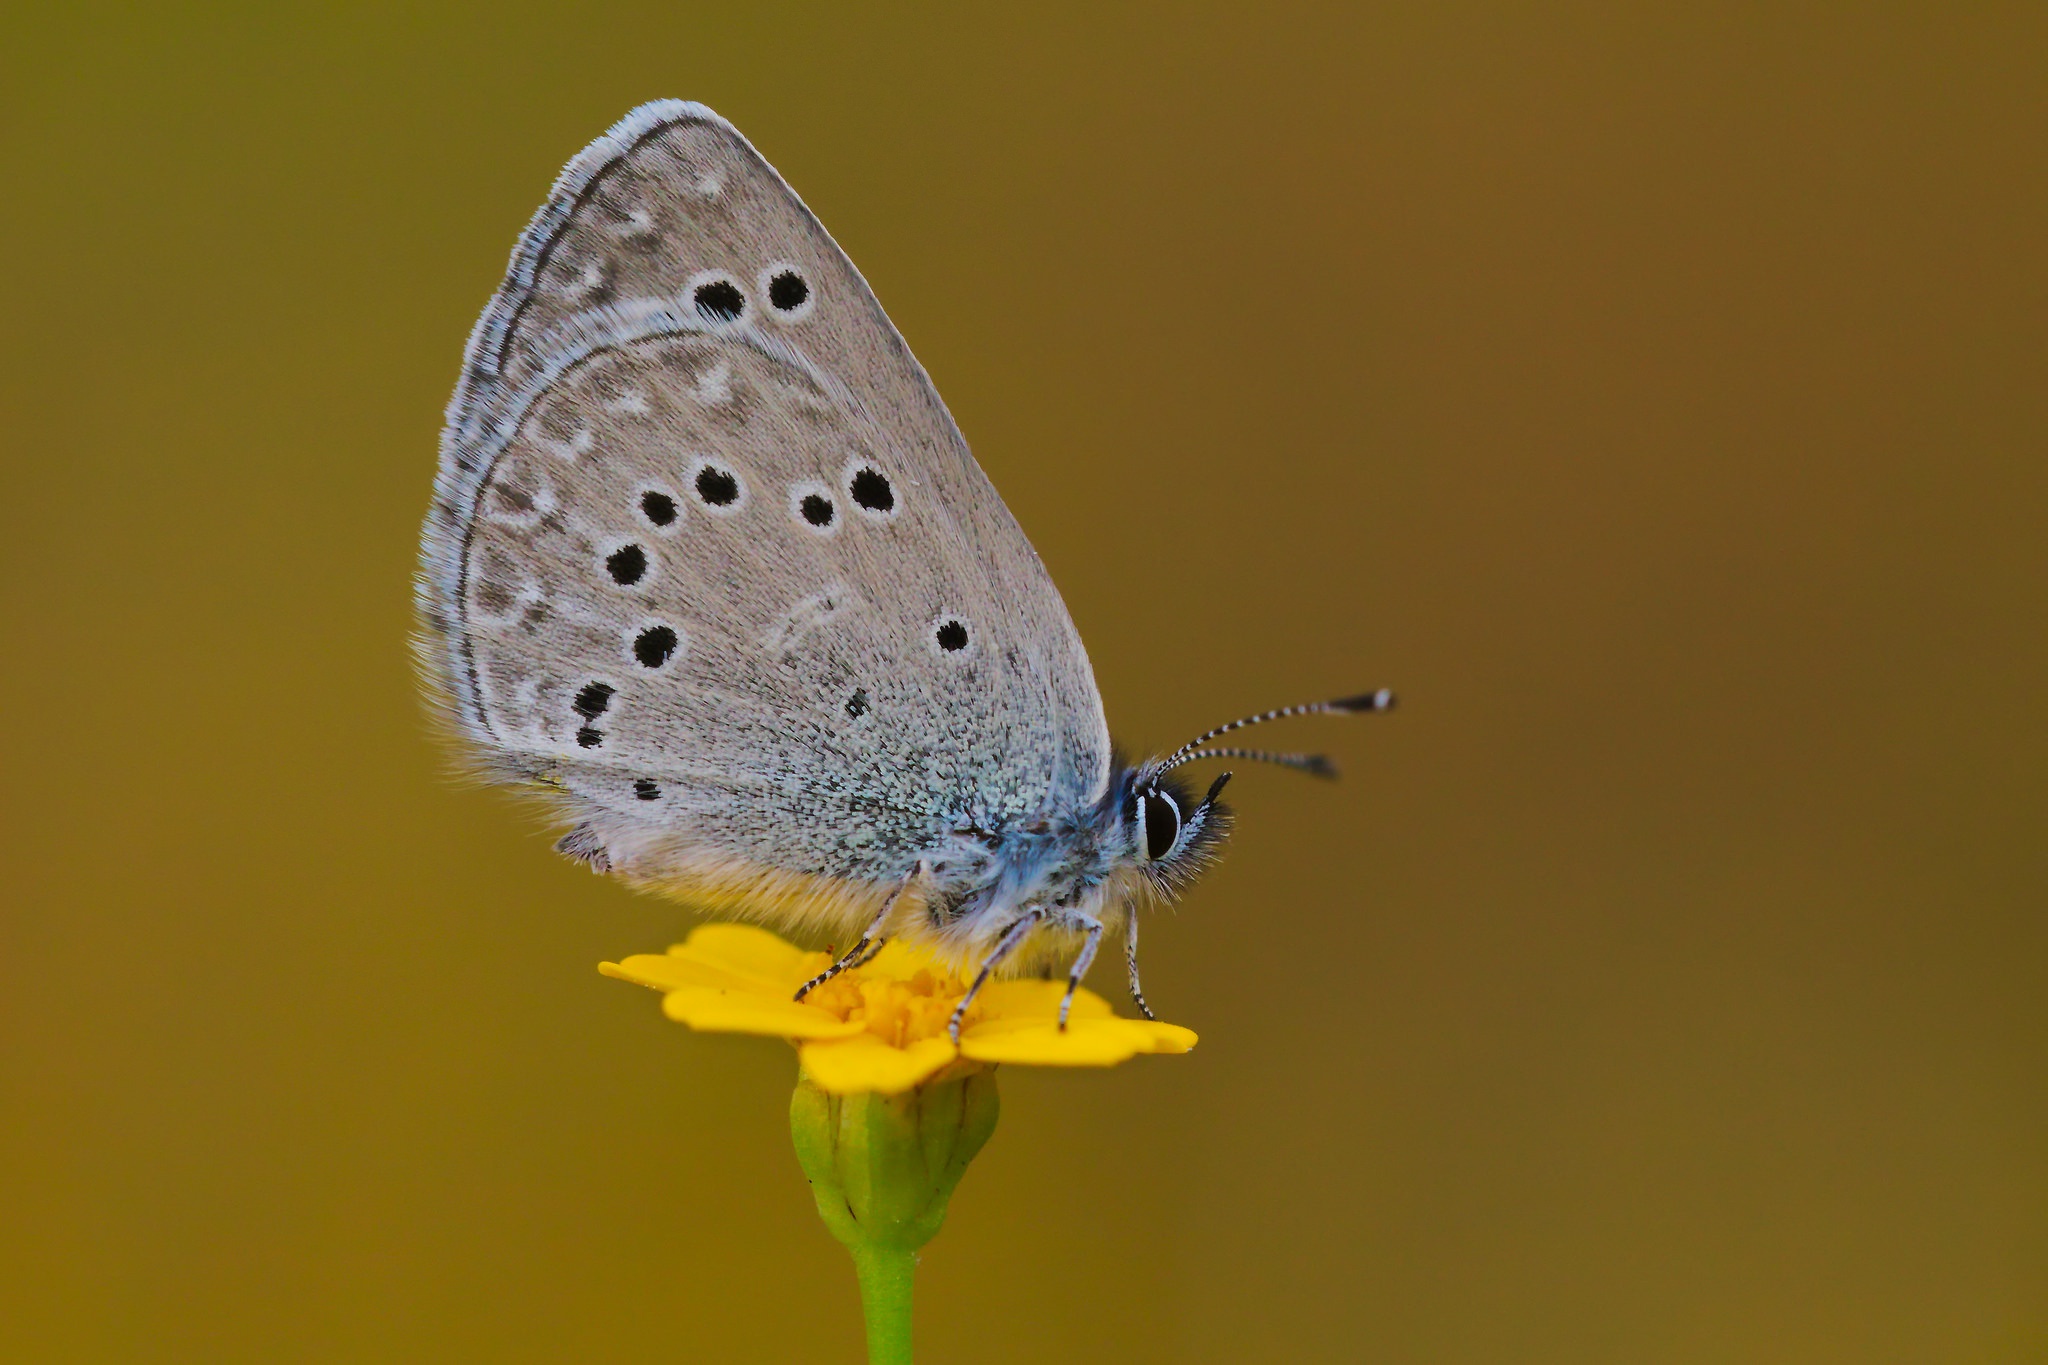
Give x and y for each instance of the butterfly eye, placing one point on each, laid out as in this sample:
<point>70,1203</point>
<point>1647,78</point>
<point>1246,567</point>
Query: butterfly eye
<point>1158,823</point>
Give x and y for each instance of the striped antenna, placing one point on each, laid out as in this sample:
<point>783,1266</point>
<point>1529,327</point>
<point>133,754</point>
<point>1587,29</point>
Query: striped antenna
<point>1382,700</point>
<point>1317,765</point>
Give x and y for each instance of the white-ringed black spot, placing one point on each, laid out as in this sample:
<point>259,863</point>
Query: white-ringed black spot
<point>719,300</point>
<point>871,491</point>
<point>951,635</point>
<point>655,646</point>
<point>857,704</point>
<point>788,291</point>
<point>627,565</point>
<point>658,507</point>
<point>814,507</point>
<point>719,489</point>
<point>592,698</point>
<point>647,789</point>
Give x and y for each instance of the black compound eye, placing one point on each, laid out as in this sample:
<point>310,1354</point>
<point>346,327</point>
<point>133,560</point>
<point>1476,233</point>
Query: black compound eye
<point>719,301</point>
<point>1162,824</point>
<point>787,291</point>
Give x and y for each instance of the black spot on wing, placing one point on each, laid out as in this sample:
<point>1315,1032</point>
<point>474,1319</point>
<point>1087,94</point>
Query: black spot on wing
<point>627,565</point>
<point>787,291</point>
<point>655,646</point>
<point>658,508</point>
<point>592,698</point>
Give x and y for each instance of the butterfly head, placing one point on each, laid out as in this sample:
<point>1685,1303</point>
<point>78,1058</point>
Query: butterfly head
<point>1170,835</point>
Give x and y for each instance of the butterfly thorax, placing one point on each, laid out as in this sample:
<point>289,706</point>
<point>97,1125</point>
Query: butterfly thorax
<point>1080,860</point>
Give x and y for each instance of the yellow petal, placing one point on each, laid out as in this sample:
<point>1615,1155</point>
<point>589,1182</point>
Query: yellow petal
<point>722,1011</point>
<point>899,961</point>
<point>668,972</point>
<point>664,973</point>
<point>749,953</point>
<point>863,1062</point>
<point>1164,1037</point>
<point>1030,998</point>
<point>1085,1042</point>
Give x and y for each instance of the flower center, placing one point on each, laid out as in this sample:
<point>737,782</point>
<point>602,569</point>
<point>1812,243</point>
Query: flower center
<point>900,1011</point>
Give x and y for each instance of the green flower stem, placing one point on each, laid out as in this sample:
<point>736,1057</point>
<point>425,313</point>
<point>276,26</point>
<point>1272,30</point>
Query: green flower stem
<point>882,1168</point>
<point>885,1274</point>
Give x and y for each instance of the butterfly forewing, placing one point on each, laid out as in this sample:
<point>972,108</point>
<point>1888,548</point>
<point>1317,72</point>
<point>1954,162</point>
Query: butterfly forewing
<point>708,554</point>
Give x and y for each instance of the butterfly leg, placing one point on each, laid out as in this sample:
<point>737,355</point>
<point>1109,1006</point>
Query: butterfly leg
<point>1131,962</point>
<point>1005,945</point>
<point>871,938</point>
<point>1082,962</point>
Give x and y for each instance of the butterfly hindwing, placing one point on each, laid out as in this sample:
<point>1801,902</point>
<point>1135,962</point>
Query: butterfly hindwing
<point>709,556</point>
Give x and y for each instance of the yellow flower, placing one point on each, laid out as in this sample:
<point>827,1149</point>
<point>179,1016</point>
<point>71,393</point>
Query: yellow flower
<point>881,1027</point>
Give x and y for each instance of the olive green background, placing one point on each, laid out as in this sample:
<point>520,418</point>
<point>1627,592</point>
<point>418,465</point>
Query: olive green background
<point>1655,398</point>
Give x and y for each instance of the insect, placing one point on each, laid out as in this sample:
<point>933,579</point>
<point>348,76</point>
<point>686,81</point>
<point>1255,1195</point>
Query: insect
<point>709,564</point>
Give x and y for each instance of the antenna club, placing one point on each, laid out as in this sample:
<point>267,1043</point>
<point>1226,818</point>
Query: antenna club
<point>1381,700</point>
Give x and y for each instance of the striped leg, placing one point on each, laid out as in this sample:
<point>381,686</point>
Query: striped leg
<point>871,938</point>
<point>1005,945</point>
<point>1131,961</point>
<point>1082,962</point>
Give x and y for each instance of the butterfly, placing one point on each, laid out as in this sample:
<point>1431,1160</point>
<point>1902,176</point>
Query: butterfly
<point>709,564</point>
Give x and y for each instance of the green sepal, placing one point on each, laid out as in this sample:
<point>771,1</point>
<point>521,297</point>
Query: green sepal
<point>883,1167</point>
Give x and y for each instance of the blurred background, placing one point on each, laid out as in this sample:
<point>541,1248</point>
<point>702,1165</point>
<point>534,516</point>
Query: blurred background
<point>1657,401</point>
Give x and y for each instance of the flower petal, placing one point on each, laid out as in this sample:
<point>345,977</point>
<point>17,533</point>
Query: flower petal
<point>663,972</point>
<point>1164,1037</point>
<point>1030,998</point>
<point>846,1066</point>
<point>671,971</point>
<point>722,1011</point>
<point>1085,1042</point>
<point>749,953</point>
<point>899,961</point>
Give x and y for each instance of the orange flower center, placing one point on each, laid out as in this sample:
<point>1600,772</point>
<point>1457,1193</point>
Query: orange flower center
<point>899,1012</point>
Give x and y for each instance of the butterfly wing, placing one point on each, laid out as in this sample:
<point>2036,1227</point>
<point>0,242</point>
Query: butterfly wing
<point>709,558</point>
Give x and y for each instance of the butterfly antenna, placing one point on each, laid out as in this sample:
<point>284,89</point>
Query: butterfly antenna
<point>1382,700</point>
<point>1316,765</point>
